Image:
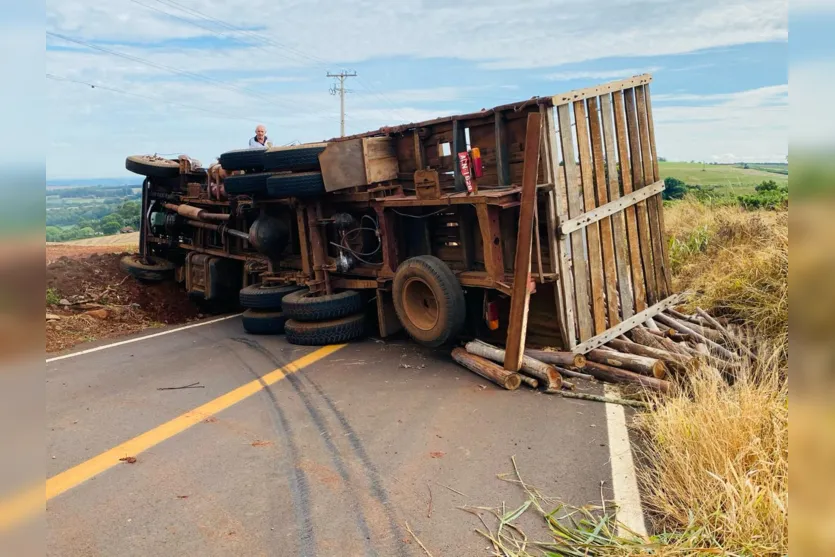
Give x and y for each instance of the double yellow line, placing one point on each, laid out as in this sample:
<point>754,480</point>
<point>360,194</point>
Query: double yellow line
<point>19,508</point>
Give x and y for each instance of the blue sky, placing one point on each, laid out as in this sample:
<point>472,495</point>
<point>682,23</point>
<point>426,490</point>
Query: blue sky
<point>720,90</point>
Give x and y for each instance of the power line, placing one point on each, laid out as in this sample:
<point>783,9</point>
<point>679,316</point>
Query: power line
<point>154,99</point>
<point>186,73</point>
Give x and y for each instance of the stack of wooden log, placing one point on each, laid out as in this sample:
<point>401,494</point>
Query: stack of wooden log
<point>668,343</point>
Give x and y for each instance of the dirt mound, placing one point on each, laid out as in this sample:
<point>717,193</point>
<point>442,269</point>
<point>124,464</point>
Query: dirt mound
<point>91,298</point>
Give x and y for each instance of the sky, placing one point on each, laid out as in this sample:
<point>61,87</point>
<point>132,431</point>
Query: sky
<point>195,76</point>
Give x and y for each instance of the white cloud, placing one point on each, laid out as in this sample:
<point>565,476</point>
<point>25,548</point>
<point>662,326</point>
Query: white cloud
<point>747,126</point>
<point>812,113</point>
<point>600,74</point>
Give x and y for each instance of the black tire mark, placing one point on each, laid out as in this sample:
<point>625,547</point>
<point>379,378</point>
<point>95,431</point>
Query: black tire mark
<point>373,474</point>
<point>322,427</point>
<point>297,479</point>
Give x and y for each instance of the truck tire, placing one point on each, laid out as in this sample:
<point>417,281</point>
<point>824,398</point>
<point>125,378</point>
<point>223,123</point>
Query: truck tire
<point>302,184</point>
<point>150,165</point>
<point>263,322</point>
<point>304,306</point>
<point>428,300</point>
<point>243,159</point>
<point>246,183</point>
<point>297,159</point>
<point>152,269</point>
<point>261,296</point>
<point>323,333</point>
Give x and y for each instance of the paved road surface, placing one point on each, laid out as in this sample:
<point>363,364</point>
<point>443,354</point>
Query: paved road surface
<point>330,460</point>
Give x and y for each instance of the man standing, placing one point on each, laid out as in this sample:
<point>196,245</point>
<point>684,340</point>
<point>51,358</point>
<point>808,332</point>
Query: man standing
<point>260,141</point>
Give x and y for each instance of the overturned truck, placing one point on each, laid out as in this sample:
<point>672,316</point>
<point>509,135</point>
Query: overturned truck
<point>537,223</point>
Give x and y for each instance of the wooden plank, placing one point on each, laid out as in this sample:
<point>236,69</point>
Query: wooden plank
<point>520,299</point>
<point>564,288</point>
<point>388,239</point>
<point>547,163</point>
<point>597,90</point>
<point>465,231</point>
<point>637,271</point>
<point>627,301</point>
<point>386,315</point>
<point>593,229</point>
<point>343,165</point>
<point>420,156</point>
<point>459,145</point>
<point>502,162</point>
<point>607,242</point>
<point>612,208</point>
<point>491,239</point>
<point>579,260</point>
<point>628,324</point>
<point>656,175</point>
<point>304,246</point>
<point>656,234</point>
<point>638,181</point>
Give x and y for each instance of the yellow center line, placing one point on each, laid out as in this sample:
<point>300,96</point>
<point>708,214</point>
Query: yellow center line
<point>31,502</point>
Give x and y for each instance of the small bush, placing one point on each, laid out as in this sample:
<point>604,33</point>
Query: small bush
<point>674,189</point>
<point>52,297</point>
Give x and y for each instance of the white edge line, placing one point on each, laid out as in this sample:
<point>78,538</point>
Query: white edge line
<point>137,339</point>
<point>624,479</point>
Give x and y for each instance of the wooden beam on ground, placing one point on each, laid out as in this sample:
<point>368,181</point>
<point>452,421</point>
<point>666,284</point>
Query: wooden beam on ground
<point>628,324</point>
<point>520,300</point>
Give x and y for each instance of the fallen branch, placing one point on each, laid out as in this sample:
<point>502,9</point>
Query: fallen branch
<point>575,374</point>
<point>196,385</point>
<point>597,398</point>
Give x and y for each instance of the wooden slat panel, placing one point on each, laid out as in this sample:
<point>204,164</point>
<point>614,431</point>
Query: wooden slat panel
<point>656,175</point>
<point>517,323</point>
<point>627,302</point>
<point>638,182</point>
<point>597,90</point>
<point>607,242</point>
<point>502,163</point>
<point>656,233</point>
<point>564,287</point>
<point>637,272</point>
<point>593,230</point>
<point>575,208</point>
<point>547,165</point>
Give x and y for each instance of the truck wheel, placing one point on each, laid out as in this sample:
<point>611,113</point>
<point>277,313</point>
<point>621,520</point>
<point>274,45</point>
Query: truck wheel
<point>261,296</point>
<point>297,158</point>
<point>246,183</point>
<point>152,269</point>
<point>304,306</point>
<point>428,300</point>
<point>261,322</point>
<point>323,333</point>
<point>302,184</point>
<point>243,159</point>
<point>150,165</point>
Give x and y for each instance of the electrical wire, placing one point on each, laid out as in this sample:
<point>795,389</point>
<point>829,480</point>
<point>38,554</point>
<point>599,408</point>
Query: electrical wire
<point>54,77</point>
<point>439,211</point>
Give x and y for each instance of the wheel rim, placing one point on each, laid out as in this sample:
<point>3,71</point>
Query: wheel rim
<point>420,304</point>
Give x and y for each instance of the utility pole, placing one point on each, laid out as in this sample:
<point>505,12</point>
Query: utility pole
<point>341,90</point>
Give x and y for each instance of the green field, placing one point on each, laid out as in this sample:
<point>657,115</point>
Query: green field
<point>726,178</point>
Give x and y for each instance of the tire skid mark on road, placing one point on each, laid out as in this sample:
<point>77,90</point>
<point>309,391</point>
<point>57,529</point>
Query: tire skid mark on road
<point>372,473</point>
<point>299,486</point>
<point>326,436</point>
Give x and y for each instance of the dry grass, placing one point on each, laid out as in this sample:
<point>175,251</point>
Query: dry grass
<point>737,262</point>
<point>719,459</point>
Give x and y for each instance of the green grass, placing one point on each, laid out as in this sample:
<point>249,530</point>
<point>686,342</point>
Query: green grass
<point>726,179</point>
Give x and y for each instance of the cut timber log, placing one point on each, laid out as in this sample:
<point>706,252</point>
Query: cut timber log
<point>576,374</point>
<point>529,381</point>
<point>568,359</point>
<point>681,327</point>
<point>675,361</point>
<point>647,338</point>
<point>610,400</point>
<point>731,337</point>
<point>650,367</point>
<point>615,375</point>
<point>547,374</point>
<point>487,369</point>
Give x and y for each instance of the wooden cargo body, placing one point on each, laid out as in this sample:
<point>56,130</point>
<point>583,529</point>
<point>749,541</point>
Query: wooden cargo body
<point>578,170</point>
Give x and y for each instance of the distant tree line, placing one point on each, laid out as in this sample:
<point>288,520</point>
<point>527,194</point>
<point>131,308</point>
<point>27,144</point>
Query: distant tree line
<point>102,220</point>
<point>768,194</point>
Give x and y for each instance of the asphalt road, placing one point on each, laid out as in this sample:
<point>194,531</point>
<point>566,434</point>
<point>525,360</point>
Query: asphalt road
<point>333,459</point>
